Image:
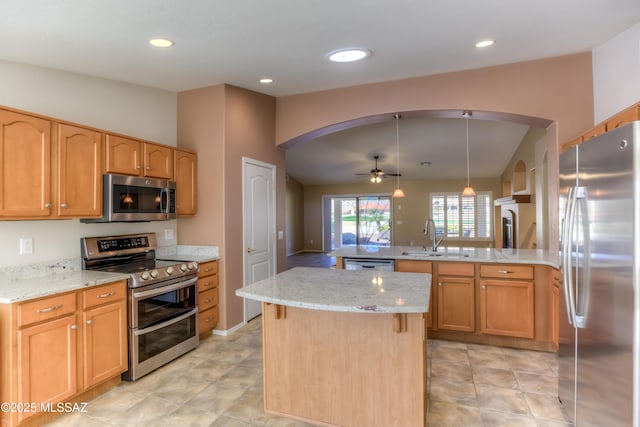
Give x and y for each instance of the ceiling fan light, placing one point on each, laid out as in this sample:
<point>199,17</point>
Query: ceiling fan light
<point>468,191</point>
<point>398,193</point>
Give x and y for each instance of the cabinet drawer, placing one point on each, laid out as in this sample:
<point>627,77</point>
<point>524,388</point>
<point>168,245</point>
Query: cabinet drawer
<point>103,294</point>
<point>46,308</point>
<point>206,283</point>
<point>208,268</point>
<point>455,269</point>
<point>414,266</point>
<point>504,271</point>
<point>208,319</point>
<point>207,299</point>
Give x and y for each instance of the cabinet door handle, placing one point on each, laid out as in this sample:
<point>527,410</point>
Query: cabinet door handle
<point>505,271</point>
<point>439,283</point>
<point>63,205</point>
<point>206,270</point>
<point>49,309</point>
<point>107,294</point>
<point>148,168</point>
<point>89,322</point>
<point>205,284</point>
<point>207,301</point>
<point>47,205</point>
<point>138,167</point>
<point>74,327</point>
<point>483,287</point>
<point>207,320</point>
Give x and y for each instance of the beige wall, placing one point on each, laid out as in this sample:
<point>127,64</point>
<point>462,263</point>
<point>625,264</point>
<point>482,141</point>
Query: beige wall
<point>412,210</point>
<point>223,124</point>
<point>294,216</point>
<point>558,89</point>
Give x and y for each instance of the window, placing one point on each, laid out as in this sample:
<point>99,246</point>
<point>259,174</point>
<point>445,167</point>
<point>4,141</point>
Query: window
<point>462,217</point>
<point>360,220</point>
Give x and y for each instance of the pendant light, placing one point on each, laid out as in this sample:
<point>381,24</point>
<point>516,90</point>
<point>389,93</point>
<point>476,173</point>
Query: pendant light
<point>398,192</point>
<point>468,190</point>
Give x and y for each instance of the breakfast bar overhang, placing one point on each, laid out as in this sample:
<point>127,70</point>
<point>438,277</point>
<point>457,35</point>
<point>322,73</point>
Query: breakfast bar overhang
<point>345,348</point>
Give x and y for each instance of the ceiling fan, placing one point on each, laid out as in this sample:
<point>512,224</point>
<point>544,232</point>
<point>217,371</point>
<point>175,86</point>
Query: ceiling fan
<point>376,174</point>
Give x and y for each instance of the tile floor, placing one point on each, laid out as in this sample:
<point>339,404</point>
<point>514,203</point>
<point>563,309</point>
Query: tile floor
<point>220,385</point>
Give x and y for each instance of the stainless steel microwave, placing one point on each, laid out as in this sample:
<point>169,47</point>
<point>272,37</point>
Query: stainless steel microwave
<point>134,199</point>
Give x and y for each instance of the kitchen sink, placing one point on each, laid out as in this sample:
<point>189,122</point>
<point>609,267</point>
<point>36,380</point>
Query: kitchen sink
<point>427,254</point>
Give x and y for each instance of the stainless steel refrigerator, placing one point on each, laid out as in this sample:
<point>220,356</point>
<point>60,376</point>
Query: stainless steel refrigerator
<point>600,261</point>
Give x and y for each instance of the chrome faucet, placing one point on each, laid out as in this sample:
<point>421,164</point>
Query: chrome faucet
<point>432,225</point>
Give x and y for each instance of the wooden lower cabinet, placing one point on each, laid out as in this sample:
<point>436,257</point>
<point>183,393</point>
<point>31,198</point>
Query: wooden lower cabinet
<point>456,302</point>
<point>506,308</point>
<point>511,305</point>
<point>208,298</point>
<point>57,348</point>
<point>46,363</point>
<point>416,267</point>
<point>104,342</point>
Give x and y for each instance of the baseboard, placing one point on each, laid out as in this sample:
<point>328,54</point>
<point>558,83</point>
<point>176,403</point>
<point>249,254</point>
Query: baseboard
<point>227,332</point>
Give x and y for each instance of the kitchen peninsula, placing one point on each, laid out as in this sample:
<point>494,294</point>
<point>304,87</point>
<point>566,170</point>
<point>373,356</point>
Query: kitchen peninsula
<point>506,297</point>
<point>345,347</point>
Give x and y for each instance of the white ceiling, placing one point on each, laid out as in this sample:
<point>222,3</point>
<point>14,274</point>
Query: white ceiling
<point>337,157</point>
<point>239,42</point>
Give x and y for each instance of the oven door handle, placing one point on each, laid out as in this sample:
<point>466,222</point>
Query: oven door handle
<point>163,289</point>
<point>171,321</point>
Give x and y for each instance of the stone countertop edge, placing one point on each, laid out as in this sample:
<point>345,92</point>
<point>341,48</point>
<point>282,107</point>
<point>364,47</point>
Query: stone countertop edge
<point>481,255</point>
<point>344,290</point>
<point>18,290</point>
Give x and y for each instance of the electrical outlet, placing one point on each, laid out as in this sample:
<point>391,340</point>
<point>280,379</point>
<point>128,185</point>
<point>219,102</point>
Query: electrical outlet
<point>26,245</point>
<point>311,242</point>
<point>280,235</point>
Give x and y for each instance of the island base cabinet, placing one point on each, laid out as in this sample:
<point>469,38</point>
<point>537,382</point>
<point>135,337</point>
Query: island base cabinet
<point>345,369</point>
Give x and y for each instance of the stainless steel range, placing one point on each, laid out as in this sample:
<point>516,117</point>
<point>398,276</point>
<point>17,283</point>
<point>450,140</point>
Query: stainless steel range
<point>162,298</point>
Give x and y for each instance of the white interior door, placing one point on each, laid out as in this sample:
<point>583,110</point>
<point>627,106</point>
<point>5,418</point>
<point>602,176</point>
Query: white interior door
<point>258,194</point>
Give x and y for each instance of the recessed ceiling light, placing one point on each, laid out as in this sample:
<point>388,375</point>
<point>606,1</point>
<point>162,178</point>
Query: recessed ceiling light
<point>161,43</point>
<point>266,81</point>
<point>485,43</point>
<point>348,55</point>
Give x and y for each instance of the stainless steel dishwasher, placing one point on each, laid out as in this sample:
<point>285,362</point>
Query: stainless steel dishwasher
<point>369,264</point>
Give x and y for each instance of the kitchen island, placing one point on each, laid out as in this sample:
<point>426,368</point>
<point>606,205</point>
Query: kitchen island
<point>345,348</point>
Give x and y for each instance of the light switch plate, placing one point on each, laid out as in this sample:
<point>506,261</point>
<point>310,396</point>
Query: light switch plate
<point>169,234</point>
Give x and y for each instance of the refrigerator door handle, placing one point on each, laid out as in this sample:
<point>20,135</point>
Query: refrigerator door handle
<point>583,286</point>
<point>567,250</point>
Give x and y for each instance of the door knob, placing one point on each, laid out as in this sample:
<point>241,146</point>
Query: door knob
<point>249,250</point>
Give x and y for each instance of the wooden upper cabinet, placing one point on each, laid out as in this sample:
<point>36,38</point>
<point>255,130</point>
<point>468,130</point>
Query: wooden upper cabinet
<point>158,161</point>
<point>123,155</point>
<point>185,176</point>
<point>622,118</point>
<point>25,165</point>
<point>128,156</point>
<point>79,172</point>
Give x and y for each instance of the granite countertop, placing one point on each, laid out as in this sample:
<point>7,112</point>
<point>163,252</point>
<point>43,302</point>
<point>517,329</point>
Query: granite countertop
<point>16,289</point>
<point>188,253</point>
<point>344,290</point>
<point>485,255</point>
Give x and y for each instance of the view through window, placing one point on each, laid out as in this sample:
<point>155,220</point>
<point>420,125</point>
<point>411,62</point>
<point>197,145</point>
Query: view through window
<point>360,220</point>
<point>462,217</point>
